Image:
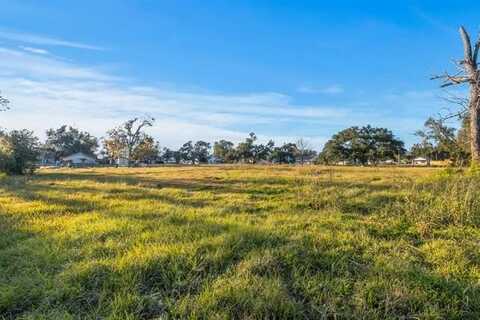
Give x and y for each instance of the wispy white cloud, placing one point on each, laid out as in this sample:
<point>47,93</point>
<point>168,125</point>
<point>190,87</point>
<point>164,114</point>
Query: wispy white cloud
<point>332,89</point>
<point>34,50</point>
<point>427,18</point>
<point>44,40</point>
<point>23,63</point>
<point>48,92</point>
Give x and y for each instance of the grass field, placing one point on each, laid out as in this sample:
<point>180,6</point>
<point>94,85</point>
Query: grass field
<point>240,243</point>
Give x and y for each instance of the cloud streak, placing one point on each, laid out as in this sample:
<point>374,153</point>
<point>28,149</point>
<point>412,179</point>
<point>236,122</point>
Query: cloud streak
<point>48,92</point>
<point>34,50</point>
<point>331,90</point>
<point>44,40</point>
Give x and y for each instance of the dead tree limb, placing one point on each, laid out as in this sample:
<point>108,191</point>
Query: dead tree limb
<point>468,74</point>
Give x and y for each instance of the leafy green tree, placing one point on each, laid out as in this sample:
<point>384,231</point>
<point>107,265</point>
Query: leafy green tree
<point>423,149</point>
<point>225,151</point>
<point>19,151</point>
<point>365,145</point>
<point>262,151</point>
<point>245,150</point>
<point>65,141</point>
<point>169,155</point>
<point>381,144</point>
<point>444,141</point>
<point>187,153</point>
<point>287,153</point>
<point>201,151</point>
<point>249,152</point>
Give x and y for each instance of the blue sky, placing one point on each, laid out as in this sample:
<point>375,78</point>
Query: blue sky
<point>220,69</point>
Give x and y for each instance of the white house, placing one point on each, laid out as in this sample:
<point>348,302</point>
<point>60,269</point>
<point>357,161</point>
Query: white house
<point>420,161</point>
<point>79,158</point>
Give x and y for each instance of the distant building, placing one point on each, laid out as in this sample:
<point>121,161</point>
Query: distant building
<point>79,159</point>
<point>420,161</point>
<point>389,162</point>
<point>343,163</point>
<point>122,160</point>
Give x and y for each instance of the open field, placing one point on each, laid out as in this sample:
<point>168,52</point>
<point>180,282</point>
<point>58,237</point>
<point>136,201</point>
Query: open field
<point>240,242</point>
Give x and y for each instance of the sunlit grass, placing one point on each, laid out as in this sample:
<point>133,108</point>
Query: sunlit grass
<point>244,242</point>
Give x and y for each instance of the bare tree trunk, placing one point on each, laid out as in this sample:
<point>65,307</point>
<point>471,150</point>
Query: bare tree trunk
<point>469,74</point>
<point>475,125</point>
<point>472,77</point>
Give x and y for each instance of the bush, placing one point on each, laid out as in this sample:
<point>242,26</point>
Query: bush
<point>19,150</point>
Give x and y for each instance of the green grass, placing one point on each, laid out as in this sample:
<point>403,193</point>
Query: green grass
<point>233,242</point>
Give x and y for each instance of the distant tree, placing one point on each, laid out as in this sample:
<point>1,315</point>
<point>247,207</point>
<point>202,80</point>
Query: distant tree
<point>444,141</point>
<point>463,135</point>
<point>201,152</point>
<point>186,152</point>
<point>262,151</point>
<point>245,150</point>
<point>125,139</point>
<point>19,151</point>
<point>250,152</point>
<point>468,72</point>
<point>424,149</point>
<point>305,151</point>
<point>286,153</point>
<point>4,103</point>
<point>67,140</point>
<point>148,150</point>
<point>169,155</point>
<point>225,151</point>
<point>361,146</point>
<point>114,145</point>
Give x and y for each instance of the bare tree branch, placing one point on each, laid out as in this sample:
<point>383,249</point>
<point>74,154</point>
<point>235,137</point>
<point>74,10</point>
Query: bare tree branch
<point>475,51</point>
<point>467,46</point>
<point>449,80</point>
<point>468,73</point>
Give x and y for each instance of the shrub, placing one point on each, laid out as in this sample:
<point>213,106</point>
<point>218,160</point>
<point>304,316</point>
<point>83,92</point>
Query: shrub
<point>19,150</point>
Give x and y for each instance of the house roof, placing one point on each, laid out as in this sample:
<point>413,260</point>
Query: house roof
<point>78,154</point>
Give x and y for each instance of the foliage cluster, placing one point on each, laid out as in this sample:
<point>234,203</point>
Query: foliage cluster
<point>362,145</point>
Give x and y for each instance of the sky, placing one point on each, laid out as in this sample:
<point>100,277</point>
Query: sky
<point>216,69</point>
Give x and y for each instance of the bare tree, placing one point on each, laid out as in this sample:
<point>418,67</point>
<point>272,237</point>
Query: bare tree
<point>468,73</point>
<point>4,104</point>
<point>304,150</point>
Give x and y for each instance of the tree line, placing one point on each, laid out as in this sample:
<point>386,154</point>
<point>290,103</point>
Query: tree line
<point>21,150</point>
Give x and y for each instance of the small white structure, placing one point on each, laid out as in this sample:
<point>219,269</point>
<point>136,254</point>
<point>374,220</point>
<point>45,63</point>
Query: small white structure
<point>389,162</point>
<point>79,158</point>
<point>420,161</point>
<point>122,160</point>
